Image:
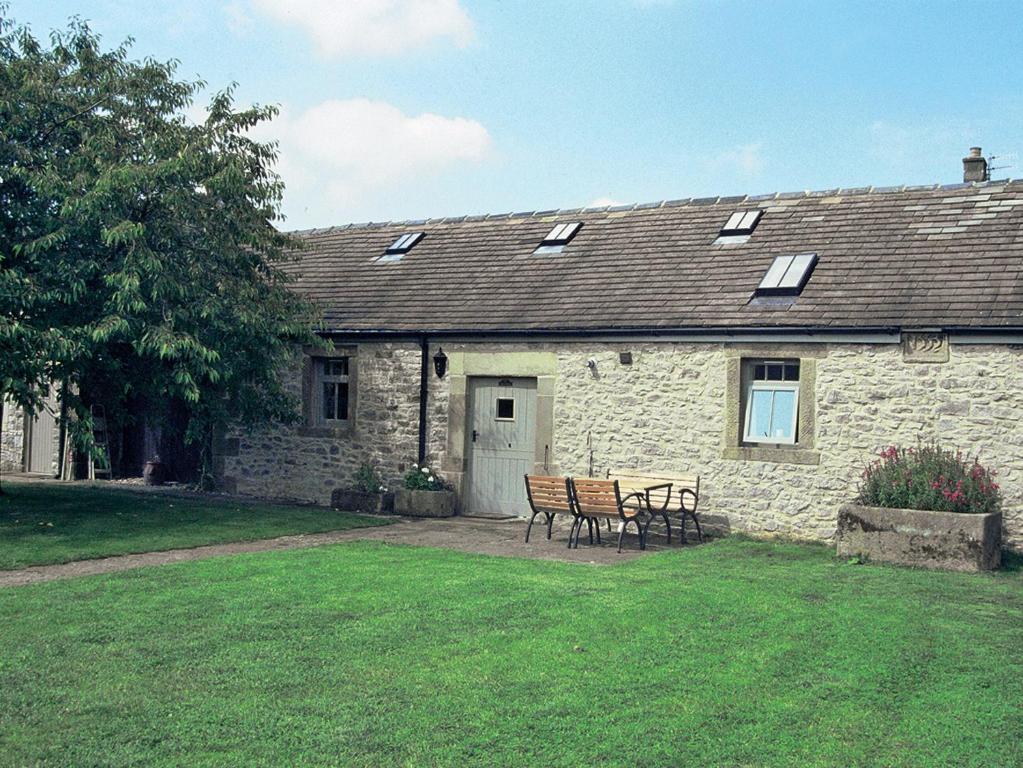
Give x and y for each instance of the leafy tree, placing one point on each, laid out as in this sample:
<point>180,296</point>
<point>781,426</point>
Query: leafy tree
<point>136,247</point>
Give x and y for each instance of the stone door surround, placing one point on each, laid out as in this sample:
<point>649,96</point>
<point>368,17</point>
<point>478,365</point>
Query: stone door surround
<point>541,366</point>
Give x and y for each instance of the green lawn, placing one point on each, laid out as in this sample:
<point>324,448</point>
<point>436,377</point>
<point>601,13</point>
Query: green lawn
<point>50,523</point>
<point>736,653</point>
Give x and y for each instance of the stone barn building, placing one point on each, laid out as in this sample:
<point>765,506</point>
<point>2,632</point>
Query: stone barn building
<point>771,344</point>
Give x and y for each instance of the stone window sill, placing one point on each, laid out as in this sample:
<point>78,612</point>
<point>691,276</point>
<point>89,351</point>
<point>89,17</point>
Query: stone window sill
<point>777,455</point>
<point>329,432</point>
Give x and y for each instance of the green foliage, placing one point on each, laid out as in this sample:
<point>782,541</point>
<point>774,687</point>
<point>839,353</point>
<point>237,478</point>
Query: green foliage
<point>423,479</point>
<point>368,480</point>
<point>137,252</point>
<point>929,477</point>
<point>42,524</point>
<point>736,653</point>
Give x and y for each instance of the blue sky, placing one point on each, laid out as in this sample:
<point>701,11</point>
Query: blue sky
<point>415,108</point>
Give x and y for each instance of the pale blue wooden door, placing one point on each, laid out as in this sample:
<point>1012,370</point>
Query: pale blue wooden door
<point>42,439</point>
<point>501,435</point>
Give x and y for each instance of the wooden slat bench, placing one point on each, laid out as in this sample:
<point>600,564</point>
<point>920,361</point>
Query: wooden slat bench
<point>604,499</point>
<point>679,500</point>
<point>548,496</point>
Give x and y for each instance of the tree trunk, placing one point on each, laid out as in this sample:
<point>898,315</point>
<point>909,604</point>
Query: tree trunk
<point>207,479</point>
<point>1,439</point>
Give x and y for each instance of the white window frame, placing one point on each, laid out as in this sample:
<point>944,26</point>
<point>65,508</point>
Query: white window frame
<point>320,377</point>
<point>497,409</point>
<point>771,386</point>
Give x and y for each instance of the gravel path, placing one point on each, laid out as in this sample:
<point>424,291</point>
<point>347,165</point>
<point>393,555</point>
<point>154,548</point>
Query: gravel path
<point>473,535</point>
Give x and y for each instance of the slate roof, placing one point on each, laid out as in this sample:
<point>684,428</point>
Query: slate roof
<point>937,256</point>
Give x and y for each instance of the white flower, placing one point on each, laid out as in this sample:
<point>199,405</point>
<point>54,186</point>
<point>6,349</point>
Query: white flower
<point>382,489</point>
<point>415,466</point>
<point>426,471</point>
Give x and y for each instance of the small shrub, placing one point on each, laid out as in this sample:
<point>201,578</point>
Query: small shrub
<point>368,480</point>
<point>423,479</point>
<point>929,477</point>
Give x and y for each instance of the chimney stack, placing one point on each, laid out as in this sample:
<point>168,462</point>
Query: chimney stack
<point>974,166</point>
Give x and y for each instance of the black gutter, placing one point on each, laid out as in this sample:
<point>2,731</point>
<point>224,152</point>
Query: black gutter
<point>624,332</point>
<point>660,331</point>
<point>424,391</point>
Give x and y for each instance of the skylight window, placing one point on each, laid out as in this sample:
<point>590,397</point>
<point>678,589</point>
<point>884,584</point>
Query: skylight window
<point>561,233</point>
<point>787,275</point>
<point>400,247</point>
<point>558,238</point>
<point>404,243</point>
<point>741,223</point>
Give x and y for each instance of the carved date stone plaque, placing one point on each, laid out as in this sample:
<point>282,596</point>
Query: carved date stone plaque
<point>925,347</point>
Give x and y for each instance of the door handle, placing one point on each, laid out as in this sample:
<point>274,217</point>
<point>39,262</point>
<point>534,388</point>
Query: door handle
<point>475,434</point>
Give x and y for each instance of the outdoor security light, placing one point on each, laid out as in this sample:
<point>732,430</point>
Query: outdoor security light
<point>440,363</point>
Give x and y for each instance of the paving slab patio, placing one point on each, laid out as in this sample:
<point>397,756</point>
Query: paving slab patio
<point>502,538</point>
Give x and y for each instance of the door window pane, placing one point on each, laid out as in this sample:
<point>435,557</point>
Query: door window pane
<point>506,408</point>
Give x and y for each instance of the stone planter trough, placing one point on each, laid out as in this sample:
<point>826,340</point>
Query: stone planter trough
<point>424,503</point>
<point>361,501</point>
<point>945,540</point>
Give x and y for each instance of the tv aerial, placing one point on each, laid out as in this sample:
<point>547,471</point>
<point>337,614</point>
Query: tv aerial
<point>1007,160</point>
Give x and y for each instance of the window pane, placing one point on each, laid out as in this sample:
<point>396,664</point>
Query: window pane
<point>776,272</point>
<point>760,418</point>
<point>794,275</point>
<point>760,372</point>
<point>342,401</point>
<point>505,408</point>
<point>555,234</point>
<point>733,221</point>
<point>337,366</point>
<point>775,371</point>
<point>329,400</point>
<point>749,220</point>
<point>783,413</point>
<point>792,372</point>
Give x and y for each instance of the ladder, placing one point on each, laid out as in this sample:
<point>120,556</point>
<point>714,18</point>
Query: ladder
<point>99,457</point>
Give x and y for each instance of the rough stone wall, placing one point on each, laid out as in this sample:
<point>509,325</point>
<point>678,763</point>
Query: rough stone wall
<point>282,462</point>
<point>665,413</point>
<point>867,398</point>
<point>13,439</point>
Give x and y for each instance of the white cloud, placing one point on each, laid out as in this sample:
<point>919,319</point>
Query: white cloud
<point>334,153</point>
<point>239,20</point>
<point>372,27</point>
<point>744,159</point>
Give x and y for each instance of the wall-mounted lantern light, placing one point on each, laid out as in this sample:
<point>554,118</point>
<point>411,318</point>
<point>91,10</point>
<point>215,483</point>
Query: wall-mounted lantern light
<point>440,363</point>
